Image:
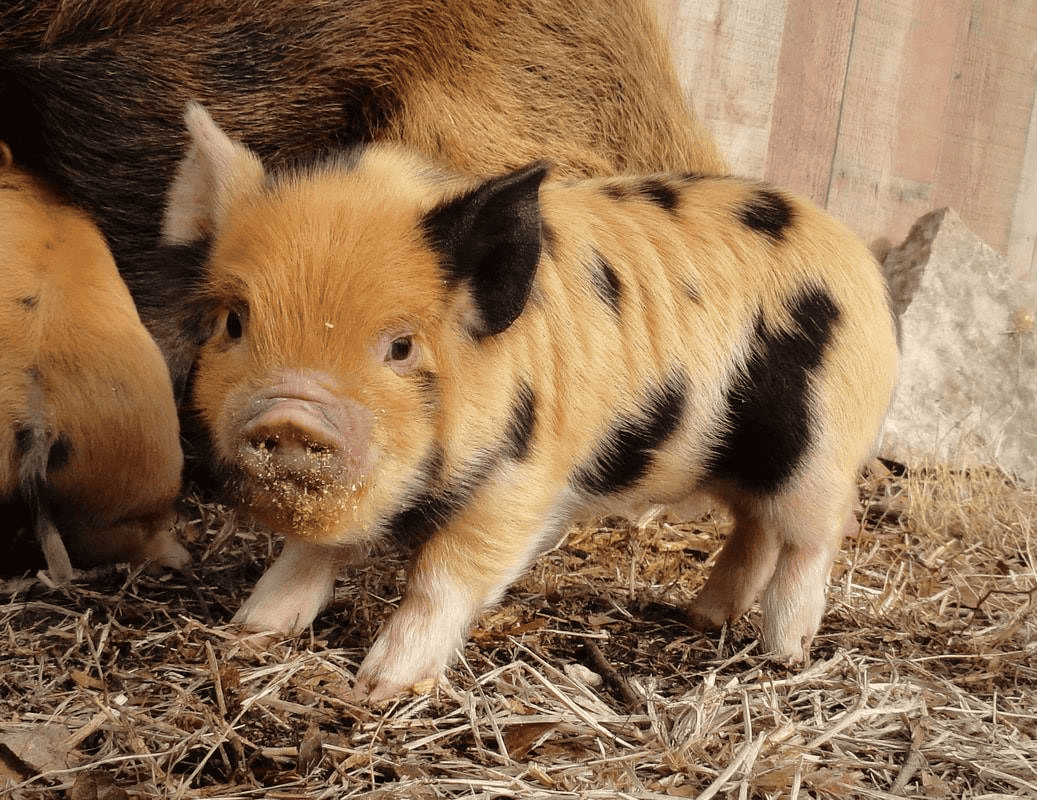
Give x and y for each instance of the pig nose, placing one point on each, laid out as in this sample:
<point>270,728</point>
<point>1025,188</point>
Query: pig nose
<point>292,447</point>
<point>296,431</point>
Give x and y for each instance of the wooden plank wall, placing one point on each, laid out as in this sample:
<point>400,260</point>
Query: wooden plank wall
<point>879,110</point>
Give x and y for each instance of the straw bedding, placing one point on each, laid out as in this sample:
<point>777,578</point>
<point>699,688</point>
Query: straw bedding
<point>585,683</point>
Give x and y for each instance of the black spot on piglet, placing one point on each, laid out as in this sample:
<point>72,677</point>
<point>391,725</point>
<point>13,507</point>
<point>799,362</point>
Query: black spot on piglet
<point>428,511</point>
<point>519,433</point>
<point>767,212</point>
<point>606,283</point>
<point>655,190</point>
<point>770,420</point>
<point>625,455</point>
<point>660,193</point>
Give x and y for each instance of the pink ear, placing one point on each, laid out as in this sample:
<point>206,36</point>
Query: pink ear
<point>215,171</point>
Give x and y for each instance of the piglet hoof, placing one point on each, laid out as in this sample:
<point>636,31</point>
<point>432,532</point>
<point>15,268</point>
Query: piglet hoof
<point>702,622</point>
<point>263,626</point>
<point>792,651</point>
<point>278,616</point>
<point>392,667</point>
<point>269,616</point>
<point>257,641</point>
<point>373,691</point>
<point>709,616</point>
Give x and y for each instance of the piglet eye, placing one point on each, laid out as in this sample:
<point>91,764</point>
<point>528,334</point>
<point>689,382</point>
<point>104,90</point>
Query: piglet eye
<point>400,348</point>
<point>235,329</point>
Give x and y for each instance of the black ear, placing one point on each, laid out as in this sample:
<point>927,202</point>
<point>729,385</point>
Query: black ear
<point>490,241</point>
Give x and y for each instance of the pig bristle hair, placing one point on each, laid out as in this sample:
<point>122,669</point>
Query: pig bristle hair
<point>788,342</point>
<point>481,85</point>
<point>96,439</point>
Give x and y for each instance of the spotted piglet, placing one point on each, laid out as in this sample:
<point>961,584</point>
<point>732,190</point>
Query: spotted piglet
<point>89,437</point>
<point>398,352</point>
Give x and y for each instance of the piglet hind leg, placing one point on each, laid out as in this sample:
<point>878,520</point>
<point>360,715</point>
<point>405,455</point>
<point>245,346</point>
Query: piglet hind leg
<point>296,587</point>
<point>742,570</point>
<point>812,522</point>
<point>781,550</point>
<point>460,570</point>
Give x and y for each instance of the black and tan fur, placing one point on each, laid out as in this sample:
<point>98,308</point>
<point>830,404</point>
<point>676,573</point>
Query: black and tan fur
<point>397,351</point>
<point>92,93</point>
<point>89,443</point>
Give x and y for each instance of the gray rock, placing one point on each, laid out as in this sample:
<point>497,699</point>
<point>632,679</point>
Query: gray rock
<point>968,385</point>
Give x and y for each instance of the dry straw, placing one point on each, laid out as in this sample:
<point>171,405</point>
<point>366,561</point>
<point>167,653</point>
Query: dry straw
<point>585,683</point>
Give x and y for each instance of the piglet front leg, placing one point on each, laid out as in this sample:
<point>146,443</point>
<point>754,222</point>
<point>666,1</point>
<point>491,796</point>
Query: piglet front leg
<point>421,637</point>
<point>290,594</point>
<point>461,570</point>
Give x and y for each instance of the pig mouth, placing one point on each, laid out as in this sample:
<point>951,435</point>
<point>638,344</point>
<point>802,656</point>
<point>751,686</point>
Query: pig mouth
<point>310,492</point>
<point>310,464</point>
<point>307,504</point>
<point>301,457</point>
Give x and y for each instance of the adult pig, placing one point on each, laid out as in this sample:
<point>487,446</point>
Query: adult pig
<point>89,439</point>
<point>93,93</point>
<point>397,351</point>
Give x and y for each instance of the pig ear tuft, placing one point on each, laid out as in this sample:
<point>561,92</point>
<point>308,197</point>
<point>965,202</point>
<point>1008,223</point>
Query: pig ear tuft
<point>491,238</point>
<point>214,172</point>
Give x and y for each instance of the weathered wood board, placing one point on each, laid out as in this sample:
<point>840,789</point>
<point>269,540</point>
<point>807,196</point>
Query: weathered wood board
<point>879,110</point>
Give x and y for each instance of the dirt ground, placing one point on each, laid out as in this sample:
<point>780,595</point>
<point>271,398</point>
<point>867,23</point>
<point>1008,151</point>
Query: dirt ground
<point>585,683</point>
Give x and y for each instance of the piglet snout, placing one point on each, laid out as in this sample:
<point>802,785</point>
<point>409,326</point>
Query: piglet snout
<point>297,430</point>
<point>292,438</point>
